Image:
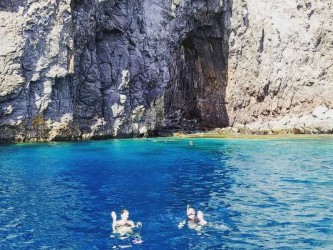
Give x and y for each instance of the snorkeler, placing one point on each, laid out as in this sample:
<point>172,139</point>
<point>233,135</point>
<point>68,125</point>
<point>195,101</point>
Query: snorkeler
<point>198,219</point>
<point>193,220</point>
<point>123,226</point>
<point>191,214</point>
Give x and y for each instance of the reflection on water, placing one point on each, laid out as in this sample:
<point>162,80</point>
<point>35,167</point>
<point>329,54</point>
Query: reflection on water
<point>255,194</point>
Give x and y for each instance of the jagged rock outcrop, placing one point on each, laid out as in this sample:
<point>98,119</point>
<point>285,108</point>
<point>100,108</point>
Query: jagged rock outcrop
<point>80,69</point>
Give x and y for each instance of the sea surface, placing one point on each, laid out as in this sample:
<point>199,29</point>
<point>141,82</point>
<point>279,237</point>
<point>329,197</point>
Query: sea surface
<point>255,194</point>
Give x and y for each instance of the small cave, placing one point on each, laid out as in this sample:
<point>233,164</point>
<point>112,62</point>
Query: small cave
<point>198,88</point>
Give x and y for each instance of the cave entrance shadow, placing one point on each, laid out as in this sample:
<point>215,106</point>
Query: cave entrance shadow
<point>195,96</point>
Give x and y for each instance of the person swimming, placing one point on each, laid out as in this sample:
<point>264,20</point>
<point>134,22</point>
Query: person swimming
<point>194,220</point>
<point>124,225</point>
<point>191,215</point>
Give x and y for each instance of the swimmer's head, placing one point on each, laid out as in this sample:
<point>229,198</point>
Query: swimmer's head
<point>124,214</point>
<point>191,213</point>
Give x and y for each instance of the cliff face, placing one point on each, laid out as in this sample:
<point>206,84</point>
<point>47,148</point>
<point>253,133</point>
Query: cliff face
<point>79,69</point>
<point>281,66</point>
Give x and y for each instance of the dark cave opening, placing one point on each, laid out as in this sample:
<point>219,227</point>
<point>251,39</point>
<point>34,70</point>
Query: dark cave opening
<point>197,90</point>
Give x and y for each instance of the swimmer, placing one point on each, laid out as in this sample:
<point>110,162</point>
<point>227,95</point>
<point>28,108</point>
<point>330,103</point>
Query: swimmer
<point>194,221</point>
<point>123,226</point>
<point>191,143</point>
<point>191,214</point>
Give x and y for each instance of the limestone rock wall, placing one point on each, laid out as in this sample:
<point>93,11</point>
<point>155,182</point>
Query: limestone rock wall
<point>36,51</point>
<point>280,68</point>
<point>80,69</point>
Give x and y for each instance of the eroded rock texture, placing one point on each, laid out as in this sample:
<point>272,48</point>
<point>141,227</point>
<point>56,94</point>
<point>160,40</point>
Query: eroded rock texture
<point>80,69</point>
<point>281,65</point>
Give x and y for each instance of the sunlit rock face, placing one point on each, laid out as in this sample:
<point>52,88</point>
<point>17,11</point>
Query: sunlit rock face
<point>280,66</point>
<point>80,69</point>
<point>36,56</point>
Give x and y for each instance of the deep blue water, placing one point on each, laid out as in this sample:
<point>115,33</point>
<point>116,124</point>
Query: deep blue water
<point>269,194</point>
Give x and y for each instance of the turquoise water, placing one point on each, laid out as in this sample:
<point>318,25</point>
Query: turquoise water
<point>270,194</point>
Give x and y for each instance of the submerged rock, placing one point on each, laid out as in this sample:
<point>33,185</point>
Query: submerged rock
<point>105,68</point>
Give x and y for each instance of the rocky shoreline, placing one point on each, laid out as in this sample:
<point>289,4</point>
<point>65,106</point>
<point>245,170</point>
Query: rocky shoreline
<point>318,123</point>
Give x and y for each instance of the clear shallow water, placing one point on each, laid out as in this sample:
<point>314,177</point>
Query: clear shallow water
<point>269,194</point>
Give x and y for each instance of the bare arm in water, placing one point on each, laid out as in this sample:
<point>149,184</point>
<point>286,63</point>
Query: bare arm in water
<point>202,221</point>
<point>114,220</point>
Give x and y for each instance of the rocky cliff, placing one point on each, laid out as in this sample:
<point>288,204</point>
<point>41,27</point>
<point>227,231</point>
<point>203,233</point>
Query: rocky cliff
<point>80,69</point>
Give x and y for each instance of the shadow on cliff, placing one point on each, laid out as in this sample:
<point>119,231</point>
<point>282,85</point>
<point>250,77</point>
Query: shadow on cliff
<point>195,97</point>
<point>11,5</point>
